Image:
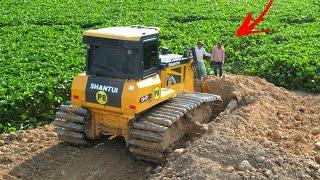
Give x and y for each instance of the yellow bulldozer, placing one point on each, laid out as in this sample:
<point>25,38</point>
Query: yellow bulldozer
<point>131,90</point>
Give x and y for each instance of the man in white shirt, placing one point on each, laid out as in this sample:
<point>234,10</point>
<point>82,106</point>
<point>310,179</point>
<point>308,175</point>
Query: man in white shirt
<point>200,52</point>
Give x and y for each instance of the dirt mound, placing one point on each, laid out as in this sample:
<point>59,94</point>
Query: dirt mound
<point>272,134</point>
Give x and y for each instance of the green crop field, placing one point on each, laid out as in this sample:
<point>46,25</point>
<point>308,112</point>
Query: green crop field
<point>41,44</point>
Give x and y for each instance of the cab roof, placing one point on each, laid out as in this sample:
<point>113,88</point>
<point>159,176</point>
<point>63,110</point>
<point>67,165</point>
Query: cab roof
<point>129,33</point>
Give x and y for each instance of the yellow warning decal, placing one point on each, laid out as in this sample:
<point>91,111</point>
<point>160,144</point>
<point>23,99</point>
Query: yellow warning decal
<point>156,93</point>
<point>101,97</point>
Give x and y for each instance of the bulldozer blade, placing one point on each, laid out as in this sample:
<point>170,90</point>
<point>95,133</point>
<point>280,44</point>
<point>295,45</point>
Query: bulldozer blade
<point>205,86</point>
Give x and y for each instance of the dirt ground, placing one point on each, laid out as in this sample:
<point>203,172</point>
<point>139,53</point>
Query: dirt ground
<point>273,134</point>
<point>37,154</point>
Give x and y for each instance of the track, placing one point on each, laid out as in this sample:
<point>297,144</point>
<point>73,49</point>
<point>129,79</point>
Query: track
<point>155,131</point>
<point>70,124</point>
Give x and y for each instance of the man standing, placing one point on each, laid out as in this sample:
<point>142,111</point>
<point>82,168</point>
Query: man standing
<point>198,53</point>
<point>217,58</point>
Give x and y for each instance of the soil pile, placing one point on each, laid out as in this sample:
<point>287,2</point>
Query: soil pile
<point>273,134</point>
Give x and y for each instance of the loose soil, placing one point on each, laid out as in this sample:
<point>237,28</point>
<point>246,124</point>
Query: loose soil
<point>42,156</point>
<point>272,135</point>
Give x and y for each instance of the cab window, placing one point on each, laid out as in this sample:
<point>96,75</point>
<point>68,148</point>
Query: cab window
<point>150,55</point>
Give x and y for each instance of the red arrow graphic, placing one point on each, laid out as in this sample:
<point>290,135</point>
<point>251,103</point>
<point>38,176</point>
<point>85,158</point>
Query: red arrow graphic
<point>246,28</point>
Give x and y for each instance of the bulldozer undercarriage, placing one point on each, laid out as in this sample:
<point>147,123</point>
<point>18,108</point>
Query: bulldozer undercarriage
<point>155,131</point>
<point>151,133</point>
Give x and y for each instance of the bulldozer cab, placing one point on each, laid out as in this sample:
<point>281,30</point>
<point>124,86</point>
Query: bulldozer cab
<point>125,73</point>
<point>122,52</point>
